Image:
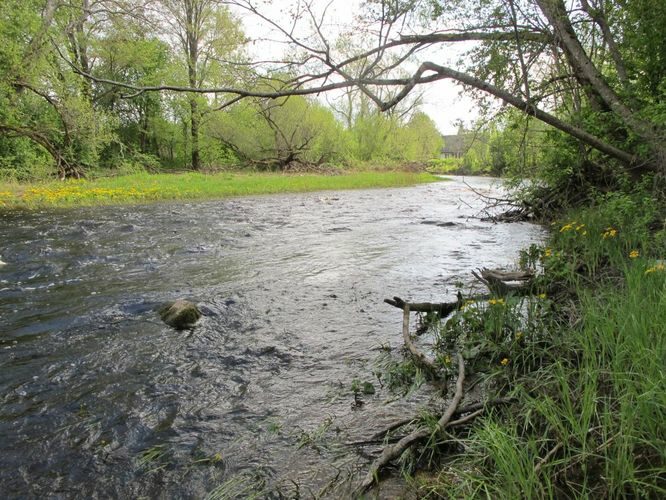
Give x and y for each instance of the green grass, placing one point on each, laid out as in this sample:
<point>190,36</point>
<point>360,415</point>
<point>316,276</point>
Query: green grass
<point>589,371</point>
<point>142,188</point>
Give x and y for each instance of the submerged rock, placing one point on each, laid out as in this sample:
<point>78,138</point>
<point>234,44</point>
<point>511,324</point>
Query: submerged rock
<point>438,224</point>
<point>181,314</point>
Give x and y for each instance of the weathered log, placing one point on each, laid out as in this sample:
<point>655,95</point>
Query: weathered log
<point>498,282</point>
<point>442,308</point>
<point>507,275</point>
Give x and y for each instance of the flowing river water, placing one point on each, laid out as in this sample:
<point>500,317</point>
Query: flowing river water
<point>100,399</point>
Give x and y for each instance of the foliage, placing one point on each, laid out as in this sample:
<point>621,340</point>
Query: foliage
<point>444,165</point>
<point>586,365</point>
<point>55,121</point>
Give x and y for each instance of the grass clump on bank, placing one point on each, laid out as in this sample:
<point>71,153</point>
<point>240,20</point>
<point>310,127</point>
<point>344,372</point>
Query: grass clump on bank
<point>586,363</point>
<point>142,188</point>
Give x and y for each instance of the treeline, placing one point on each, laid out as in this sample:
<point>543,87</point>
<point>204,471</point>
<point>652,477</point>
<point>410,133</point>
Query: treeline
<point>59,115</point>
<point>511,145</point>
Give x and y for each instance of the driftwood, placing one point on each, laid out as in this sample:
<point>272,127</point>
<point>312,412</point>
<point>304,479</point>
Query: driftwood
<point>472,408</point>
<point>499,283</point>
<point>394,451</point>
<point>442,308</point>
<point>418,355</point>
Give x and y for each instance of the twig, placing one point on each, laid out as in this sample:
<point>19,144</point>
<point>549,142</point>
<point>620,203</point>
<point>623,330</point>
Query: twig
<point>394,451</point>
<point>483,405</point>
<point>418,356</point>
<point>395,425</point>
<point>466,418</point>
<point>548,456</point>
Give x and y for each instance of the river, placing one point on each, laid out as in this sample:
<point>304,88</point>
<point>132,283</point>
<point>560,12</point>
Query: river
<point>101,399</point>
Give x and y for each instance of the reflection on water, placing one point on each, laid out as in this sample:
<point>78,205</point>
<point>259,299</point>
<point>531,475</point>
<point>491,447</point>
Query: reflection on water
<point>99,398</point>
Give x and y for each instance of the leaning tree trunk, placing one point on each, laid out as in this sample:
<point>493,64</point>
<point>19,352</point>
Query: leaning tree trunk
<point>509,98</point>
<point>65,168</point>
<point>585,70</point>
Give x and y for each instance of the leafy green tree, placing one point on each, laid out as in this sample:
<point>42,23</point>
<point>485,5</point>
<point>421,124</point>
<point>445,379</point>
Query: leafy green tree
<point>279,133</point>
<point>42,99</point>
<point>206,35</point>
<point>424,141</point>
<point>126,52</point>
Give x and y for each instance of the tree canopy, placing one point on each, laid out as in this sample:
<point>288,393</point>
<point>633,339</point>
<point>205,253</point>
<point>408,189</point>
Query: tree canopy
<point>96,82</point>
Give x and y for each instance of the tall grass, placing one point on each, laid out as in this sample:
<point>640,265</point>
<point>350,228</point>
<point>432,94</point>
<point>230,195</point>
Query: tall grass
<point>592,416</point>
<point>141,188</point>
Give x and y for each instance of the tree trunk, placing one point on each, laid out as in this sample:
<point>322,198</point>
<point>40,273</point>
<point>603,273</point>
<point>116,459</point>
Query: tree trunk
<point>65,168</point>
<point>585,69</point>
<point>441,71</point>
<point>192,35</point>
<point>194,130</point>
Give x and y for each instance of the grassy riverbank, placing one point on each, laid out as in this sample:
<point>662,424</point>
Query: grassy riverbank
<point>143,188</point>
<point>586,362</point>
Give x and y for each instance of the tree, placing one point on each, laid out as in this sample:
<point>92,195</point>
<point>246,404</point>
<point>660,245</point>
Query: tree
<point>128,52</point>
<point>279,133</point>
<point>42,100</point>
<point>206,33</point>
<point>547,60</point>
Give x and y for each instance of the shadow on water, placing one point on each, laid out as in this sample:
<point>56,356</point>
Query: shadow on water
<point>99,398</point>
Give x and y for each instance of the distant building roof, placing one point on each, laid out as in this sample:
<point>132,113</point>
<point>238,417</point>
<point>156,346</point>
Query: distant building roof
<point>456,144</point>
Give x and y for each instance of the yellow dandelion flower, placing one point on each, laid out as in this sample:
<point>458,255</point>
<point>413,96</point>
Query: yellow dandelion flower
<point>547,252</point>
<point>566,227</point>
<point>542,296</point>
<point>609,233</point>
<point>504,362</point>
<point>466,304</point>
<point>493,302</point>
<point>634,254</point>
<point>654,269</point>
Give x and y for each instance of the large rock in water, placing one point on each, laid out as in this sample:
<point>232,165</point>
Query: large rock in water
<point>181,314</point>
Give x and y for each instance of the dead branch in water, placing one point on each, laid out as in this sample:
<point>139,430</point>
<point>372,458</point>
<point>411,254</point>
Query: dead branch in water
<point>418,356</point>
<point>443,308</point>
<point>511,210</point>
<point>484,405</point>
<point>397,449</point>
<point>499,282</point>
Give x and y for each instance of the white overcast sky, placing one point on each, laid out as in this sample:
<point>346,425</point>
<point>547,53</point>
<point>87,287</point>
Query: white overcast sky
<point>442,101</point>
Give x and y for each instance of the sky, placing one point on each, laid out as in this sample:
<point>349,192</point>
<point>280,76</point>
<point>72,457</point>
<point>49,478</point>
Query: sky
<point>441,100</point>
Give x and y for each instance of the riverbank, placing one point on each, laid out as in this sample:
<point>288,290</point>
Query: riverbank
<point>144,188</point>
<point>584,360</point>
